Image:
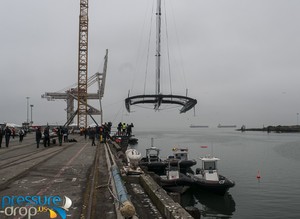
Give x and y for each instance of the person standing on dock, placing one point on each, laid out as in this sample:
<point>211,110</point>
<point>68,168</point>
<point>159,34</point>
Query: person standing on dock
<point>92,136</point>
<point>105,132</point>
<point>98,133</point>
<point>38,137</point>
<point>7,134</point>
<point>129,129</point>
<point>13,133</point>
<point>21,135</point>
<point>119,128</point>
<point>1,135</point>
<point>60,134</point>
<point>65,133</point>
<point>85,131</point>
<point>124,126</point>
<point>46,137</point>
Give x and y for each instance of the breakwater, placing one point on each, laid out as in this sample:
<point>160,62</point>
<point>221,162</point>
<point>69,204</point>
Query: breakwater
<point>278,129</point>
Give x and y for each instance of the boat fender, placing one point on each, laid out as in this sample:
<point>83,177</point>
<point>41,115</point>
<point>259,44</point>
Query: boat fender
<point>222,181</point>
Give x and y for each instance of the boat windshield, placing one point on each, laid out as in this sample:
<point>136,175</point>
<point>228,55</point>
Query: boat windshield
<point>181,156</point>
<point>209,165</point>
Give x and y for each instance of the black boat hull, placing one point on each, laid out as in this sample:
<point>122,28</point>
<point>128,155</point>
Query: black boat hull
<point>218,187</point>
<point>179,185</point>
<point>158,167</point>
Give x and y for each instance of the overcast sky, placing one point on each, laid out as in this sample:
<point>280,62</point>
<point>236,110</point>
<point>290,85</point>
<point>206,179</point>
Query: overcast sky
<point>238,58</point>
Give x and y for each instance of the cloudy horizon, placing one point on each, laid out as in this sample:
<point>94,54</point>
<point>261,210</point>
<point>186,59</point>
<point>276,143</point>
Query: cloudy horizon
<point>239,59</point>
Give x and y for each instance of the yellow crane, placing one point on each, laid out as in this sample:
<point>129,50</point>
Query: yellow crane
<point>80,93</point>
<point>82,65</point>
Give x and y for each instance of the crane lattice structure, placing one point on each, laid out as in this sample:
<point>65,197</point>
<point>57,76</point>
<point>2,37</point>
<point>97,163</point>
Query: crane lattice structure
<point>71,93</point>
<point>82,65</point>
<point>80,93</point>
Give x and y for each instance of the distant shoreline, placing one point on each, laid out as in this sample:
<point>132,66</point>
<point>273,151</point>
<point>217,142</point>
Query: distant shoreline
<point>277,129</point>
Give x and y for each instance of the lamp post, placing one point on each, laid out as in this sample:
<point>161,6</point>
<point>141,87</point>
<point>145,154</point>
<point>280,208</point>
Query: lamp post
<point>27,109</point>
<point>31,113</point>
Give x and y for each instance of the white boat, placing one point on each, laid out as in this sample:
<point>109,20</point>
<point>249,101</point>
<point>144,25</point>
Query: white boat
<point>181,157</point>
<point>207,177</point>
<point>174,181</point>
<point>133,158</point>
<point>152,161</point>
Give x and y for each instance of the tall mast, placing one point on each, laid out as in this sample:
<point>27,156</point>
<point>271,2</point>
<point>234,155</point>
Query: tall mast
<point>158,34</point>
<point>158,98</point>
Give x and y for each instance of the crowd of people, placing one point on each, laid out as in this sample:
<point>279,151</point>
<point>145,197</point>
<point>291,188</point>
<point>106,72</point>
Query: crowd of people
<point>9,133</point>
<point>96,134</point>
<point>124,129</point>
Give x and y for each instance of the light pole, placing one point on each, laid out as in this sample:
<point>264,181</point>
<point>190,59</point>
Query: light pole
<point>31,113</point>
<point>27,109</point>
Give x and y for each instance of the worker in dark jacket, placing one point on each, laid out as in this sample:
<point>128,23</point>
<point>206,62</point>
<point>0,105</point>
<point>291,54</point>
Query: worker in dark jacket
<point>60,133</point>
<point>38,137</point>
<point>46,137</point>
<point>7,134</point>
<point>93,135</point>
<point>1,135</point>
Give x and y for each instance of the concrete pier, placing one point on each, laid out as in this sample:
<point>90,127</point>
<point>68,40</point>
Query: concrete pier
<point>79,171</point>
<point>165,204</point>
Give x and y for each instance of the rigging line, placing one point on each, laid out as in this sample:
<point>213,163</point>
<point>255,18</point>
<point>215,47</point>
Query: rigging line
<point>178,43</point>
<point>148,49</point>
<point>120,109</point>
<point>139,49</point>
<point>67,88</point>
<point>168,48</point>
<point>122,112</point>
<point>90,81</point>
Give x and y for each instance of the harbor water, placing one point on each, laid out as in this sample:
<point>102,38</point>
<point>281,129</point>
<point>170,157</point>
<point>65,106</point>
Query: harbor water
<point>274,156</point>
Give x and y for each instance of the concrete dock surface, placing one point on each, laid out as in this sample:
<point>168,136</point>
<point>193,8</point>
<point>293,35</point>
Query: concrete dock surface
<point>75,171</point>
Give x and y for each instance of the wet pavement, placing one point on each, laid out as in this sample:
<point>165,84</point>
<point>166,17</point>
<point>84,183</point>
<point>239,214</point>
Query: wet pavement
<point>75,171</point>
<point>54,171</point>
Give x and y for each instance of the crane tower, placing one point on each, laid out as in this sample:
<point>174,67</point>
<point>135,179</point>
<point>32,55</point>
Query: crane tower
<point>80,93</point>
<point>82,65</point>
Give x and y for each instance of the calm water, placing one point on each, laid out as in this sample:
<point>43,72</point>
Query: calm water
<point>275,156</point>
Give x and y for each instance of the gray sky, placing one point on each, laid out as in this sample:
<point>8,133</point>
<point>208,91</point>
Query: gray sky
<point>238,58</point>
